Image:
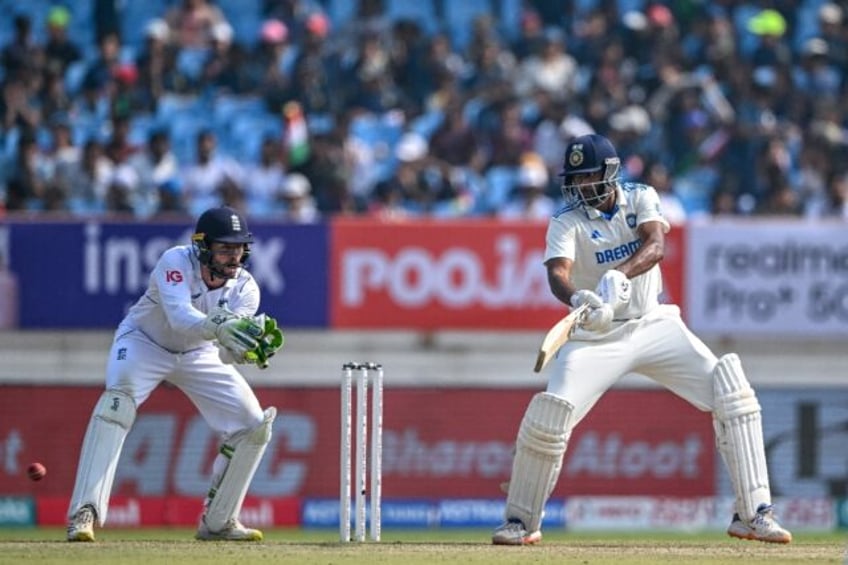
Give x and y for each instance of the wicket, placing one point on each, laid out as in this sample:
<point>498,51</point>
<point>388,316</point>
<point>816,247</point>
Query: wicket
<point>363,372</point>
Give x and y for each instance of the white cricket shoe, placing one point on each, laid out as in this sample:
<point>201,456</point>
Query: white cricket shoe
<point>81,526</point>
<point>513,532</point>
<point>763,527</point>
<point>233,531</point>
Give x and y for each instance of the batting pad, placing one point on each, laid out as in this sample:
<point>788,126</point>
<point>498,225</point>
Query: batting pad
<point>110,422</point>
<point>739,435</point>
<point>542,439</point>
<point>244,452</point>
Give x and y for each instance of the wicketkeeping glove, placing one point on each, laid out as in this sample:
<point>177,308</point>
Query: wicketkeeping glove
<point>238,334</point>
<point>268,343</point>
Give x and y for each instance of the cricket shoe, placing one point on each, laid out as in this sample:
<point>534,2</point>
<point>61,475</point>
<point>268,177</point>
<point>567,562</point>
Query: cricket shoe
<point>513,532</point>
<point>763,527</point>
<point>81,526</point>
<point>232,531</point>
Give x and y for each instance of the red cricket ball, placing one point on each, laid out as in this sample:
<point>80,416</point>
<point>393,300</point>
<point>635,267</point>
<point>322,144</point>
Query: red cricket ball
<point>36,471</point>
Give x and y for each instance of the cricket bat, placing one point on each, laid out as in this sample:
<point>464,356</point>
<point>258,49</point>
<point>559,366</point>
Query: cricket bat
<point>557,336</point>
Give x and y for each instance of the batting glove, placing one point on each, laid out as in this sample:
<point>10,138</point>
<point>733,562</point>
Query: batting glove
<point>586,297</point>
<point>598,319</point>
<point>238,334</point>
<point>614,289</point>
<point>268,343</point>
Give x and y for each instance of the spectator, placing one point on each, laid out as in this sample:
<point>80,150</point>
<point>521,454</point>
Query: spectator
<point>456,143</point>
<point>511,138</point>
<point>21,57</point>
<point>831,17</point>
<point>529,200</point>
<point>273,62</point>
<point>551,69</point>
<point>264,180</point>
<point>18,107</point>
<point>85,182</point>
<point>191,23</point>
<point>59,51</point>
<point>102,70</point>
<point>156,65</point>
<point>657,175</point>
<point>203,181</point>
<point>63,152</point>
<point>54,98</point>
<point>531,35</point>
<point>299,205</point>
<point>838,192</point>
<point>155,167</point>
<point>226,69</point>
<point>30,178</point>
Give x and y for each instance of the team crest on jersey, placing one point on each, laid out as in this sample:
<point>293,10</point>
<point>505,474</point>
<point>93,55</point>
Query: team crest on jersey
<point>575,159</point>
<point>631,220</point>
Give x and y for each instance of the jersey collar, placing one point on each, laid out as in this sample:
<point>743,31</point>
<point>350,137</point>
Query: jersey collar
<point>620,202</point>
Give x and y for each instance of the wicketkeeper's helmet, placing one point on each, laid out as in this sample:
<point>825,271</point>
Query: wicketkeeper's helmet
<point>222,224</point>
<point>589,154</point>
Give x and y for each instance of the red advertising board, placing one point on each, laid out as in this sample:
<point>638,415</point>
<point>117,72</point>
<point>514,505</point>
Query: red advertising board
<point>446,274</point>
<point>437,443</point>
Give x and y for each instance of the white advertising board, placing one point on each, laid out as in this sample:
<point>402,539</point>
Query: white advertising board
<point>768,279</point>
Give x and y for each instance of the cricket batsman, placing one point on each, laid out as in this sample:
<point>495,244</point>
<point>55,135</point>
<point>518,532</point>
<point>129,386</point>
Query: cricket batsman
<point>603,248</point>
<point>197,318</point>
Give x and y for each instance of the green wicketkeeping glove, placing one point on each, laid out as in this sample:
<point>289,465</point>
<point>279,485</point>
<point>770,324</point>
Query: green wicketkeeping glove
<point>269,342</point>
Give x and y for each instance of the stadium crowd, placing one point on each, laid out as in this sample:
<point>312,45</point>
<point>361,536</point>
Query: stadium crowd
<point>302,109</point>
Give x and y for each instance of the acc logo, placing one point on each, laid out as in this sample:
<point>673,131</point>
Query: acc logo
<point>173,277</point>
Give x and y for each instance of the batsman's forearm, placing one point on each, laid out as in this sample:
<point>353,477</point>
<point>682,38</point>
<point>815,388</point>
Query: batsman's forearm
<point>645,257</point>
<point>562,289</point>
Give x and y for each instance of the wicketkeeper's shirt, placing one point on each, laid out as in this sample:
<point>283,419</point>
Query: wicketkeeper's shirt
<point>172,310</point>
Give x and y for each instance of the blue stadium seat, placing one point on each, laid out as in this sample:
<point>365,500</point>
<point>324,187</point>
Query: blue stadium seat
<point>340,12</point>
<point>171,105</point>
<point>81,29</point>
<point>246,18</point>
<point>247,133</point>
<point>421,12</point>
<point>500,182</point>
<point>460,16</point>
<point>141,126</point>
<point>74,75</point>
<point>135,15</point>
<point>183,129</point>
<point>426,124</point>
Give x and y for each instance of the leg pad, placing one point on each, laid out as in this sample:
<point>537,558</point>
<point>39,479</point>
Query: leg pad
<point>110,422</point>
<point>541,444</point>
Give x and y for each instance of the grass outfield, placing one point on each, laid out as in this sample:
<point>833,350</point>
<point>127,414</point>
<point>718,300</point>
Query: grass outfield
<point>408,547</point>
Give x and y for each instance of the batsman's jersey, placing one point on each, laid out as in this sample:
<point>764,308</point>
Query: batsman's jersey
<point>172,310</point>
<point>597,242</point>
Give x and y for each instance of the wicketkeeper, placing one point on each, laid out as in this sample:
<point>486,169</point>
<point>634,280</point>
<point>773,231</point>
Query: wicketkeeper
<point>196,320</point>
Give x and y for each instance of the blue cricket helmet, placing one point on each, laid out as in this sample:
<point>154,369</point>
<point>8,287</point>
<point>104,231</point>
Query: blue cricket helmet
<point>223,224</point>
<point>588,154</point>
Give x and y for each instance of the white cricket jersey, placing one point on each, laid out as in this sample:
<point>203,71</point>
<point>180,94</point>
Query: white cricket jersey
<point>172,310</point>
<point>597,242</point>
